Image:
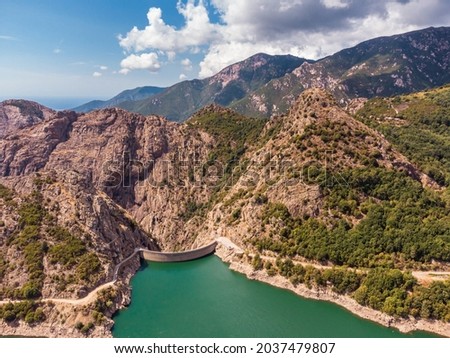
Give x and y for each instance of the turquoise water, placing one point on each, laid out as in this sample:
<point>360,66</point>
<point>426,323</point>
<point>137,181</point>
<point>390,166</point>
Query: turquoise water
<point>204,298</point>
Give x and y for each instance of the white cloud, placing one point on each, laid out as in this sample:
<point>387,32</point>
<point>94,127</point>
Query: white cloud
<point>57,51</point>
<point>7,38</point>
<point>145,61</point>
<point>197,31</point>
<point>187,64</point>
<point>334,3</point>
<point>97,74</point>
<point>171,55</point>
<point>104,68</point>
<point>306,28</point>
<point>183,77</point>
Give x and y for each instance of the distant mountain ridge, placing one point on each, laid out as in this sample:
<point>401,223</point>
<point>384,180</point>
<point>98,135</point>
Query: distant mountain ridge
<point>183,99</point>
<point>264,85</point>
<point>233,83</point>
<point>384,66</point>
<point>135,94</point>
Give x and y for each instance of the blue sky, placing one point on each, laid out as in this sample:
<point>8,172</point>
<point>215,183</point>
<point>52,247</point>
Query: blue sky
<point>97,48</point>
<point>53,48</point>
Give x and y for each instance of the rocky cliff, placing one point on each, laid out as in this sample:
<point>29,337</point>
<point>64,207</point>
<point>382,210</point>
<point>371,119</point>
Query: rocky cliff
<point>19,114</point>
<point>169,177</point>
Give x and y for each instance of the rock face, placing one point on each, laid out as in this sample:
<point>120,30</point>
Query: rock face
<point>19,114</point>
<point>168,177</point>
<point>29,150</point>
<point>142,163</point>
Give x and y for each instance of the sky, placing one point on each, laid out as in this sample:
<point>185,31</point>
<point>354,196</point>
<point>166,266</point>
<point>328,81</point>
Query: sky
<point>88,49</point>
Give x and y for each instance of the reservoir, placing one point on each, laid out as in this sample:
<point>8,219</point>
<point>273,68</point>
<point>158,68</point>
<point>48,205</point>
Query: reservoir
<point>205,299</point>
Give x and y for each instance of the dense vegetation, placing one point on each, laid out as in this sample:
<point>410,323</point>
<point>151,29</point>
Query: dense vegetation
<point>3,267</point>
<point>29,241</point>
<point>6,194</point>
<point>400,223</point>
<point>232,132</point>
<point>71,253</point>
<point>375,222</point>
<point>28,311</point>
<point>418,126</point>
<point>233,135</point>
<point>388,290</point>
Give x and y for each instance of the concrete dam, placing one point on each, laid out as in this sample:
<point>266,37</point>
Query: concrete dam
<point>158,256</point>
<point>189,255</point>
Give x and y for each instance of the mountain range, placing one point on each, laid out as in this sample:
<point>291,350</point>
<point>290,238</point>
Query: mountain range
<point>131,95</point>
<point>264,85</point>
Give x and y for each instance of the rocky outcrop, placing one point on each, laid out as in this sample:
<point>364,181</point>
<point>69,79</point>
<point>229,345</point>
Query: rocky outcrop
<point>29,149</point>
<point>155,169</point>
<point>19,114</point>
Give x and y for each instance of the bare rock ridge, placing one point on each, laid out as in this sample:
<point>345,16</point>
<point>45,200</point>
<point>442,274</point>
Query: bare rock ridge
<point>27,149</point>
<point>155,169</point>
<point>19,114</point>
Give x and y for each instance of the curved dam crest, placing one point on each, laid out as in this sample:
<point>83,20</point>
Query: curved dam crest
<point>158,256</point>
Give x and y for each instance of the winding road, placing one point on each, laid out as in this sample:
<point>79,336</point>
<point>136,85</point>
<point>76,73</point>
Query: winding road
<point>93,294</point>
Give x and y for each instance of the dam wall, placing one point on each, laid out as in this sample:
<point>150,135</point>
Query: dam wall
<point>157,256</point>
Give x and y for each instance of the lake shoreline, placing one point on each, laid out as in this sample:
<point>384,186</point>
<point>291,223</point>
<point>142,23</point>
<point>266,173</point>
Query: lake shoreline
<point>235,263</point>
<point>228,255</point>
